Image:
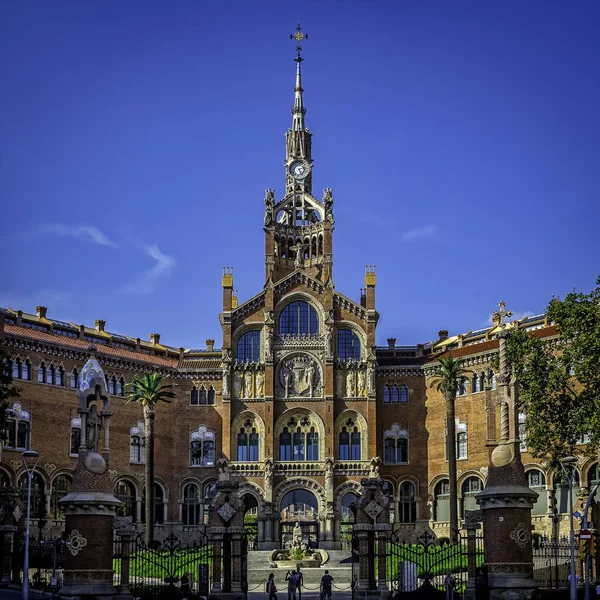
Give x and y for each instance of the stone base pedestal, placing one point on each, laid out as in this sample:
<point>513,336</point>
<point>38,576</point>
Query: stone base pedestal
<point>227,596</point>
<point>375,594</point>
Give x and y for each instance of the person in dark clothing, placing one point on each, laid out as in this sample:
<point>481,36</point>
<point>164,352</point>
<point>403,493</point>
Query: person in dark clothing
<point>326,582</point>
<point>184,586</point>
<point>271,588</point>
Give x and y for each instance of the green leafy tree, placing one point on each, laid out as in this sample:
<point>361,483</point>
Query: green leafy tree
<point>559,378</point>
<point>149,390</point>
<point>7,389</point>
<point>448,376</point>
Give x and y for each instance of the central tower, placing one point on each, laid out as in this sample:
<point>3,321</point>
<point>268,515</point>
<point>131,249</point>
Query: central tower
<point>298,228</point>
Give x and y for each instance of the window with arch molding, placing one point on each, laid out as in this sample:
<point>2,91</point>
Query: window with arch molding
<point>395,394</point>
<point>248,346</point>
<point>299,440</point>
<point>74,378</point>
<point>51,375</point>
<point>395,445</point>
<point>60,376</point>
<point>470,488</point>
<point>348,345</point>
<point>593,479</point>
<point>349,441</point>
<point>190,509</point>
<point>21,369</point>
<point>159,501</point>
<point>137,444</point>
<point>125,492</point>
<point>441,501</point>
<point>61,486</point>
<point>475,383</point>
<point>407,503</point>
<point>299,317</point>
<point>536,480</point>
<point>42,373</point>
<point>247,442</point>
<point>112,385</point>
<point>38,508</point>
<point>202,447</point>
<point>17,425</point>
<point>462,387</point>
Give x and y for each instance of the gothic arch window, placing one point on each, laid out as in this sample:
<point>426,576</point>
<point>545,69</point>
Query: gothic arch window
<point>194,397</point>
<point>159,501</point>
<point>395,394</point>
<point>407,503</point>
<point>42,373</point>
<point>112,385</point>
<point>121,387</point>
<point>248,441</point>
<point>462,387</point>
<point>125,492</point>
<point>211,395</point>
<point>202,447</point>
<point>536,480</point>
<point>395,446</point>
<point>285,445</point>
<point>248,346</point>
<point>38,509</point>
<point>299,440</point>
<point>403,394</point>
<point>299,317</point>
<point>137,444</point>
<point>387,394</point>
<point>475,383</point>
<point>492,377</point>
<point>593,479</point>
<point>26,370</point>
<point>481,381</point>
<point>60,376</point>
<point>190,513</point>
<point>75,438</point>
<point>61,486</point>
<point>16,368</point>
<point>441,501</point>
<point>348,345</point>
<point>74,378</point>
<point>470,488</point>
<point>17,427</point>
<point>51,375</point>
<point>349,441</point>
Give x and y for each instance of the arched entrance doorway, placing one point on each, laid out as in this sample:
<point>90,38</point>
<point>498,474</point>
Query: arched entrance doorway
<point>299,506</point>
<point>251,520</point>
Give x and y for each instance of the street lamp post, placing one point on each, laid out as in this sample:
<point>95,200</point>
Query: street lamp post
<point>592,541</point>
<point>568,463</point>
<point>30,460</point>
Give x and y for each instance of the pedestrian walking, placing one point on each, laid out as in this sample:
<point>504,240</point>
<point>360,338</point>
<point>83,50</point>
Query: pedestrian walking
<point>291,579</point>
<point>299,583</point>
<point>326,583</point>
<point>271,588</point>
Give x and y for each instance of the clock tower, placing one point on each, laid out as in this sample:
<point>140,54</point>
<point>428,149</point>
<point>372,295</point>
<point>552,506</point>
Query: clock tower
<point>299,227</point>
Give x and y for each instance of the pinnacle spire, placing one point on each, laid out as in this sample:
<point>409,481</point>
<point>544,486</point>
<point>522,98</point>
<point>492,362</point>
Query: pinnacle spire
<point>298,111</point>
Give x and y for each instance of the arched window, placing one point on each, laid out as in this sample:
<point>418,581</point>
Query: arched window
<point>348,345</point>
<point>42,373</point>
<point>346,512</point>
<point>112,385</point>
<point>461,445</point>
<point>61,486</point>
<point>395,446</point>
<point>408,503</point>
<point>441,498</point>
<point>248,347</point>
<point>403,394</point>
<point>26,372</point>
<point>593,479</point>
<point>121,387</point>
<point>60,376</point>
<point>125,492</point>
<point>470,488</point>
<point>492,377</point>
<point>475,383</point>
<point>190,510</point>
<point>211,395</point>
<point>16,427</point>
<point>75,440</point>
<point>285,445</point>
<point>462,387</point>
<point>202,396</point>
<point>202,448</point>
<point>482,381</point>
<point>299,317</point>
<point>247,442</point>
<point>51,375</point>
<point>16,368</point>
<point>194,397</point>
<point>74,378</point>
<point>349,440</point>
<point>395,394</point>
<point>37,494</point>
<point>387,395</point>
<point>536,480</point>
<point>159,501</point>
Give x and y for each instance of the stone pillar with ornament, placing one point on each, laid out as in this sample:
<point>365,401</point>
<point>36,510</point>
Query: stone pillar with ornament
<point>228,534</point>
<point>371,534</point>
<point>90,506</point>
<point>506,501</point>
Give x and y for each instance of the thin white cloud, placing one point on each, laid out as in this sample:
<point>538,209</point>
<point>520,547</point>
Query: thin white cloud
<point>419,233</point>
<point>83,232</point>
<point>146,282</point>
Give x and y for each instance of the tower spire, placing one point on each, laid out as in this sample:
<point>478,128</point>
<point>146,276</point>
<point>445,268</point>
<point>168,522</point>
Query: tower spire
<point>298,111</point>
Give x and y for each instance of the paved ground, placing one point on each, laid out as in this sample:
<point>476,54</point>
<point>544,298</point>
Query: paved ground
<point>305,596</point>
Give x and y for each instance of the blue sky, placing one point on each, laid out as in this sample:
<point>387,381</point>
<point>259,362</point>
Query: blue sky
<point>137,139</point>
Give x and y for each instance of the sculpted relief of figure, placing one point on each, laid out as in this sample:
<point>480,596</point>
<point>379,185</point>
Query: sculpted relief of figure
<point>225,382</point>
<point>268,343</point>
<point>361,382</point>
<point>339,383</point>
<point>286,383</point>
<point>328,204</point>
<point>310,377</point>
<point>374,467</point>
<point>370,379</point>
<point>329,473</point>
<point>260,383</point>
<point>351,383</point>
<point>269,206</point>
<point>237,384</point>
<point>92,435</point>
<point>299,376</point>
<point>268,470</point>
<point>248,385</point>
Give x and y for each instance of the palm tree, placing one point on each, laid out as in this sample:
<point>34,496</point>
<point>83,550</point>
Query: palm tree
<point>148,390</point>
<point>448,376</point>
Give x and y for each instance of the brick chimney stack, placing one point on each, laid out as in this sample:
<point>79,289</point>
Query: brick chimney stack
<point>155,338</point>
<point>210,345</point>
<point>99,324</point>
<point>443,335</point>
<point>41,311</point>
<point>391,342</point>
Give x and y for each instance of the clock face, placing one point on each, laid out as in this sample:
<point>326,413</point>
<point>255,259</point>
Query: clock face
<point>298,169</point>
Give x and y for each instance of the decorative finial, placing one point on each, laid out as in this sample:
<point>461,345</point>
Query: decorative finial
<point>499,316</point>
<point>298,36</point>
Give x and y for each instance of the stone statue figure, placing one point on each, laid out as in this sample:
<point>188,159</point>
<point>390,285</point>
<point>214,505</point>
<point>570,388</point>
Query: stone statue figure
<point>370,379</point>
<point>329,473</point>
<point>268,471</point>
<point>339,383</point>
<point>92,434</point>
<point>248,384</point>
<point>299,260</point>
<point>374,468</point>
<point>350,383</point>
<point>328,204</point>
<point>329,342</point>
<point>269,206</point>
<point>223,470</point>
<point>361,382</point>
<point>297,533</point>
<point>260,382</point>
<point>286,380</point>
<point>226,358</point>
<point>269,317</point>
<point>268,342</point>
<point>225,382</point>
<point>237,384</point>
<point>310,377</point>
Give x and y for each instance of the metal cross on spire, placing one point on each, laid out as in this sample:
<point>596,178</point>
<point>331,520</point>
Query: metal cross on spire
<point>501,315</point>
<point>298,36</point>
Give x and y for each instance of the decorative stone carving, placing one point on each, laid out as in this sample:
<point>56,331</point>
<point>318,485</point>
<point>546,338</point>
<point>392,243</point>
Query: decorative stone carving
<point>17,513</point>
<point>248,391</point>
<point>223,466</point>
<point>362,377</point>
<point>237,384</point>
<point>226,512</point>
<point>76,542</point>
<point>520,535</point>
<point>370,380</point>
<point>15,464</point>
<point>374,467</point>
<point>50,468</point>
<point>300,376</point>
<point>339,382</point>
<point>226,376</point>
<point>268,471</point>
<point>260,384</point>
<point>373,509</point>
<point>350,383</point>
<point>269,206</point>
<point>112,474</point>
<point>328,204</point>
<point>329,462</point>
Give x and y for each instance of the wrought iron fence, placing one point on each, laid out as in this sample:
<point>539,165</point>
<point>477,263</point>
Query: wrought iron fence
<point>552,560</point>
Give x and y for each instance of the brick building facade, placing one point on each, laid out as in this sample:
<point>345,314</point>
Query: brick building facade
<point>299,399</point>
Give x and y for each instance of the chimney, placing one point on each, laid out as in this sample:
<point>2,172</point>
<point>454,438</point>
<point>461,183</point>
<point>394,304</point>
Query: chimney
<point>19,317</point>
<point>138,344</point>
<point>181,353</point>
<point>99,324</point>
<point>443,335</point>
<point>155,338</point>
<point>391,342</point>
<point>210,345</point>
<point>81,332</point>
<point>41,311</point>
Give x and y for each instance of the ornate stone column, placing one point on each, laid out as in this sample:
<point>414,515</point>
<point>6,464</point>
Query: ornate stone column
<point>372,530</point>
<point>90,506</point>
<point>507,501</point>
